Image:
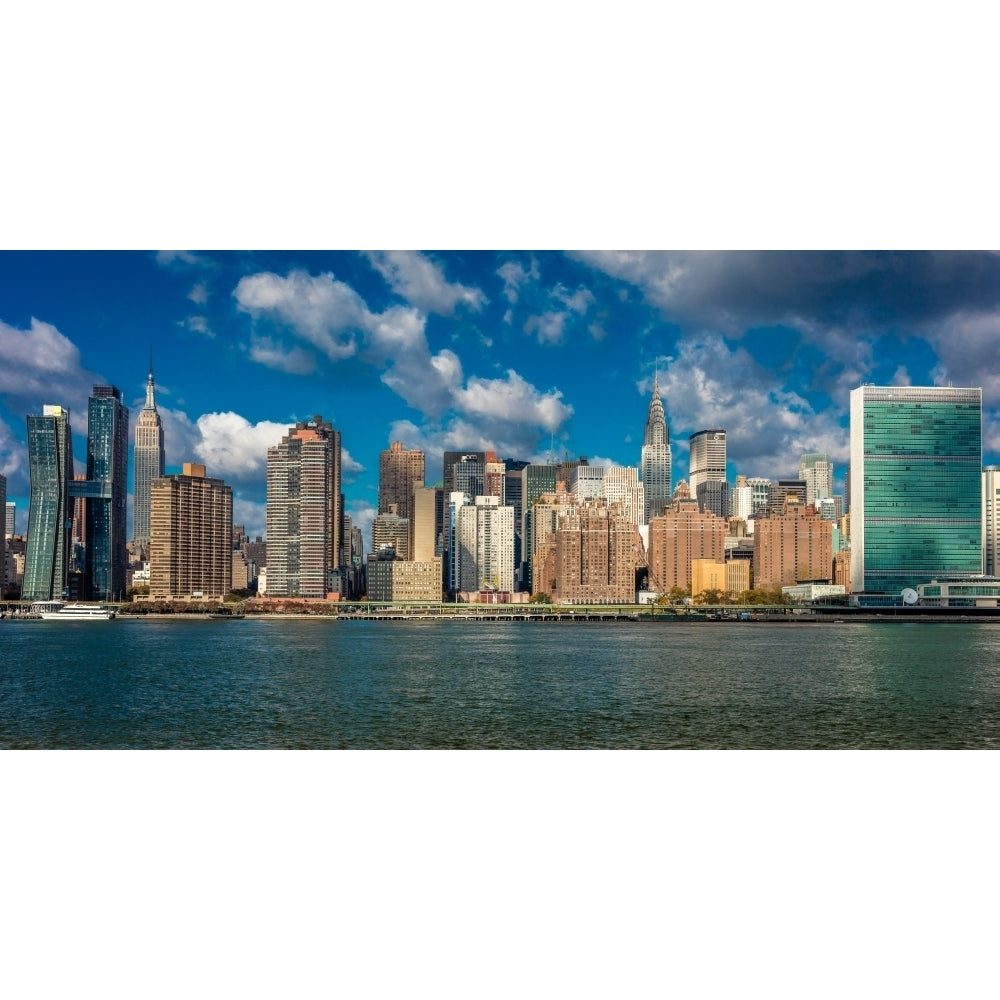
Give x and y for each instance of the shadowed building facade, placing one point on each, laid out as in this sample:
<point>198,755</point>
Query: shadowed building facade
<point>191,524</point>
<point>304,511</point>
<point>50,469</point>
<point>916,486</point>
<point>654,464</point>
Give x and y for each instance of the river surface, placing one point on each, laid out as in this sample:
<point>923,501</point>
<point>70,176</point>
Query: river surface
<point>323,683</point>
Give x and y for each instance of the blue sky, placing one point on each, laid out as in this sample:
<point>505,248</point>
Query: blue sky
<point>526,353</point>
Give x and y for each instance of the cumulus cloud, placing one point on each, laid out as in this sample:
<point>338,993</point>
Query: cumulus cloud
<point>252,514</point>
<point>231,447</point>
<point>182,258</point>
<point>199,325</point>
<point>12,459</point>
<point>324,311</point>
<point>199,293</point>
<point>421,281</point>
<point>41,365</point>
<point>768,426</point>
<point>396,342</point>
<point>513,400</point>
<point>579,301</point>
<point>362,514</point>
<point>349,468</point>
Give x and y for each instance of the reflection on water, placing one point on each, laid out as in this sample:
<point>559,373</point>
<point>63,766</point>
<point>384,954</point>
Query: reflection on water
<point>324,683</point>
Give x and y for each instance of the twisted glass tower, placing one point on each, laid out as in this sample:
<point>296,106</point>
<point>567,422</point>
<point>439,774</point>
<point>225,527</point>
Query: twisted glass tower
<point>655,461</point>
<point>50,468</point>
<point>148,462</point>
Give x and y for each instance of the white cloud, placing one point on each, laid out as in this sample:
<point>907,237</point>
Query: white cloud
<point>231,447</point>
<point>168,258</point>
<point>322,310</point>
<point>294,360</point>
<point>549,327</point>
<point>709,385</point>
<point>422,282</point>
<point>12,458</point>
<point>252,514</point>
<point>199,293</point>
<point>515,276</point>
<point>349,468</point>
<point>513,400</point>
<point>968,350</point>
<point>199,325</point>
<point>579,301</point>
<point>41,365</point>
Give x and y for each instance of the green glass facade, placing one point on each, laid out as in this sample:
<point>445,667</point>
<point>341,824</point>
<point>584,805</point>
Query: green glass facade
<point>105,495</point>
<point>50,468</point>
<point>916,475</point>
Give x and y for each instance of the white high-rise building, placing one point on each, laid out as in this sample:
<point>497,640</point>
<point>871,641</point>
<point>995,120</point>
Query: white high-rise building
<point>707,458</point>
<point>622,486</point>
<point>817,473</point>
<point>991,519</point>
<point>655,461</point>
<point>483,556</point>
<point>586,482</point>
<point>148,462</point>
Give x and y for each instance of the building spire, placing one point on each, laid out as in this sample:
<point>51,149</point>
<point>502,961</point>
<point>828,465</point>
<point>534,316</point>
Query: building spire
<point>150,401</point>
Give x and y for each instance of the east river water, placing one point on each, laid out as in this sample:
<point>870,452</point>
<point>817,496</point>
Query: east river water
<point>324,683</point>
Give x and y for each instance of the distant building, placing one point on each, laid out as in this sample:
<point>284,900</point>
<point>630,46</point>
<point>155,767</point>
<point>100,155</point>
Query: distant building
<point>816,470</point>
<point>392,531</point>
<point>535,480</point>
<point>411,581</point>
<point>916,486</point>
<point>191,528</point>
<point>779,492</point>
<point>676,538</point>
<point>586,482</point>
<point>991,520</point>
<point>595,555</point>
<point>622,487</point>
<point>398,470</point>
<point>11,528</point>
<point>793,547</point>
<point>707,458</point>
<point>424,543</point>
<point>50,469</point>
<point>148,462</point>
<point>654,463</point>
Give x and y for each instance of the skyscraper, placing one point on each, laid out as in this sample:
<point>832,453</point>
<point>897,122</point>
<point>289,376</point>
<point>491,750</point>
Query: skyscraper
<point>916,486</point>
<point>708,464</point>
<point>654,469</point>
<point>398,469</point>
<point>148,461</point>
<point>11,528</point>
<point>304,510</point>
<point>191,553</point>
<point>50,469</point>
<point>106,494</point>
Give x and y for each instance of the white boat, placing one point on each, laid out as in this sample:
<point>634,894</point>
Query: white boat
<point>57,611</point>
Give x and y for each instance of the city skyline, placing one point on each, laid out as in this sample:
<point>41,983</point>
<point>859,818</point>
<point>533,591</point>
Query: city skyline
<point>525,354</point>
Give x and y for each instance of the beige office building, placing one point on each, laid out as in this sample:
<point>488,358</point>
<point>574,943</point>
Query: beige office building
<point>404,580</point>
<point>191,530</point>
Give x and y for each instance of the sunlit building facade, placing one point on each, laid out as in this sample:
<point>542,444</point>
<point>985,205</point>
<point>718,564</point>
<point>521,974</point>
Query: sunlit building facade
<point>148,462</point>
<point>654,464</point>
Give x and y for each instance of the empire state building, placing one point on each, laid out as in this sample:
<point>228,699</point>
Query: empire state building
<point>655,461</point>
<point>148,461</point>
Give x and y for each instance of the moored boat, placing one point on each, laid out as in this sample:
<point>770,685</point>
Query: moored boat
<point>57,611</point>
